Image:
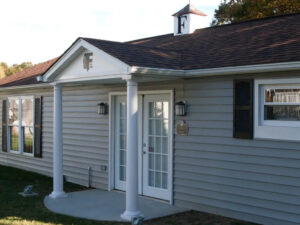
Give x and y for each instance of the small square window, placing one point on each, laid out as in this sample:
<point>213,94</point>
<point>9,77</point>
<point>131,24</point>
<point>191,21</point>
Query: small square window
<point>277,109</point>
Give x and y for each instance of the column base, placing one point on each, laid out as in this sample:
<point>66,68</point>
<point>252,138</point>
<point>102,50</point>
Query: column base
<point>58,194</point>
<point>129,215</point>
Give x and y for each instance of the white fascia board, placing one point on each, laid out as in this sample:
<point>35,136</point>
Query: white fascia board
<point>77,48</point>
<point>274,67</point>
<point>95,78</point>
<point>262,68</point>
<point>135,70</point>
<point>25,86</point>
<point>58,64</point>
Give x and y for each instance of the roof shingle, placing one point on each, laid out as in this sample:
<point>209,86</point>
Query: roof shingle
<point>260,41</point>
<point>27,76</point>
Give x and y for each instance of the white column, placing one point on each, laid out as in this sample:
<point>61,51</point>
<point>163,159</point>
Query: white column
<point>132,153</point>
<point>58,184</point>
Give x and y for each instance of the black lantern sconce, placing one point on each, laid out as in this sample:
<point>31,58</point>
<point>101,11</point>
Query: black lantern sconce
<point>180,108</point>
<point>102,108</point>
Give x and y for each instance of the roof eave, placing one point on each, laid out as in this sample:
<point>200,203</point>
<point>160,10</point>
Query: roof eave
<point>260,68</point>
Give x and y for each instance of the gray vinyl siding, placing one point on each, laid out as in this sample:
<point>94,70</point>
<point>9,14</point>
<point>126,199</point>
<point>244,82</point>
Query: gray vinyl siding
<point>40,165</point>
<point>255,180</point>
<point>85,135</point>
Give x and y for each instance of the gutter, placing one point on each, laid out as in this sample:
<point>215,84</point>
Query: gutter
<point>135,70</point>
<point>25,86</point>
<point>262,68</point>
<point>173,73</point>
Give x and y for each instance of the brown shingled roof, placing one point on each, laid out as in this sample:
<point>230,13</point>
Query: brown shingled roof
<point>260,41</point>
<point>27,76</point>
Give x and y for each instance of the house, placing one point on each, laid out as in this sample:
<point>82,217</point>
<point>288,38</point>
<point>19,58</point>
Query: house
<point>205,119</point>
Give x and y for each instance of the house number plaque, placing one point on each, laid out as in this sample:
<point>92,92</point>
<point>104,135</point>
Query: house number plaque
<point>182,128</point>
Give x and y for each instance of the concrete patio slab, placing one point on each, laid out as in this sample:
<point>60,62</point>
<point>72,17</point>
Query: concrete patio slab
<point>106,206</point>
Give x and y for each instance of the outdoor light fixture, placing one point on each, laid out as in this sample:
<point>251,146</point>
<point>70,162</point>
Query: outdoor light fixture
<point>102,108</point>
<point>180,108</point>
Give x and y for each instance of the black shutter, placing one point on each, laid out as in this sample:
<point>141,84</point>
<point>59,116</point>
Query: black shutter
<point>243,109</point>
<point>38,127</point>
<point>4,126</point>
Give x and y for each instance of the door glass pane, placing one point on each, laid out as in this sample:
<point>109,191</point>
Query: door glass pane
<point>28,139</point>
<point>158,144</point>
<point>122,125</point>
<point>13,112</point>
<point>165,145</point>
<point>27,112</point>
<point>151,126</point>
<point>123,111</point>
<point>165,163</point>
<point>122,173</point>
<point>122,157</point>
<point>157,162</point>
<point>151,178</point>
<point>165,128</point>
<point>158,126</point>
<point>14,138</point>
<point>165,180</point>
<point>151,109</point>
<point>158,177</point>
<point>151,144</point>
<point>151,161</point>
<point>157,148</point>
<point>158,109</point>
<point>122,141</point>
<point>166,110</point>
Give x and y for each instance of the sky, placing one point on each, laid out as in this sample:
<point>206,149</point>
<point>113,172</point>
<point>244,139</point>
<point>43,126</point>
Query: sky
<point>39,30</point>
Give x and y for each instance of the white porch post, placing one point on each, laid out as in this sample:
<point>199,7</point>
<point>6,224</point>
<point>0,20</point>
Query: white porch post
<point>132,153</point>
<point>58,184</point>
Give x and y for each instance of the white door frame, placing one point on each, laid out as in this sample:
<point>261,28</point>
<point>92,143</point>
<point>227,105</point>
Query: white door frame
<point>111,167</point>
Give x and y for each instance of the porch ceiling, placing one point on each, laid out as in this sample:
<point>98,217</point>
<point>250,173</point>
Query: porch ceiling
<point>106,206</point>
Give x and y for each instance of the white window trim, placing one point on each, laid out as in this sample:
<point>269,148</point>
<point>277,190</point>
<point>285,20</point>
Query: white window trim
<point>269,129</point>
<point>21,147</point>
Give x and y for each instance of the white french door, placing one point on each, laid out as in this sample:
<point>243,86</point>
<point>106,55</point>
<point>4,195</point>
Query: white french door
<point>154,141</point>
<point>156,137</point>
<point>120,142</point>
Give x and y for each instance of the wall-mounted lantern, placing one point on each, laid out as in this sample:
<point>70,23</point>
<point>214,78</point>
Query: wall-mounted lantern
<point>102,108</point>
<point>180,108</point>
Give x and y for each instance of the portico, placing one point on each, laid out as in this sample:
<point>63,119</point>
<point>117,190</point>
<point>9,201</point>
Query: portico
<point>105,69</point>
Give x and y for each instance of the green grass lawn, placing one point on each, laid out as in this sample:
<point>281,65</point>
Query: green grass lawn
<point>17,210</point>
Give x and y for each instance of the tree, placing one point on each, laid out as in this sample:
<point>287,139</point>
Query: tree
<point>3,67</point>
<point>9,70</point>
<point>231,11</point>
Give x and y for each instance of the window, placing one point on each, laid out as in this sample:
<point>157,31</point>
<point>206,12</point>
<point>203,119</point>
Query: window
<point>282,104</point>
<point>277,109</point>
<point>20,125</point>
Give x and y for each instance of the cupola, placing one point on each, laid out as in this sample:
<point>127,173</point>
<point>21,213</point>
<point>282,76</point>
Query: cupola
<point>187,20</point>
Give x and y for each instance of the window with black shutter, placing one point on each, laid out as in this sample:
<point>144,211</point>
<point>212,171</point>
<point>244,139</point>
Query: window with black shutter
<point>243,109</point>
<point>4,125</point>
<point>22,125</point>
<point>38,127</point>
